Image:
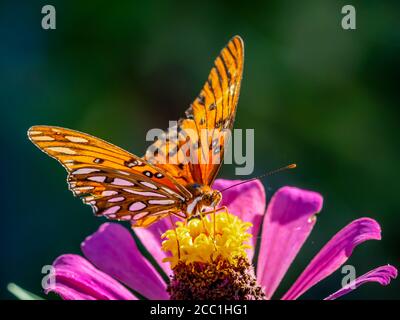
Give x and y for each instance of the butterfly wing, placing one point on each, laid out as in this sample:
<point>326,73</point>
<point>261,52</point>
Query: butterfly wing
<point>206,128</point>
<point>116,183</point>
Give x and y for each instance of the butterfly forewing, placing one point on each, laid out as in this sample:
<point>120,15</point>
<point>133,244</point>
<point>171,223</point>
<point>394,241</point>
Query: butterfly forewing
<point>207,124</point>
<point>116,183</point>
<point>122,186</point>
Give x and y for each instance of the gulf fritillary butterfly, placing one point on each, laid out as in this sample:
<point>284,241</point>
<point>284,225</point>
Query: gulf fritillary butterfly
<point>142,190</point>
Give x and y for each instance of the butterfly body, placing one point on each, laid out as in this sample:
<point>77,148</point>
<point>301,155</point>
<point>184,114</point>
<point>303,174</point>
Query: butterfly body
<point>122,186</point>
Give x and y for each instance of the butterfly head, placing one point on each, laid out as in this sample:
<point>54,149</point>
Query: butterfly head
<point>213,198</point>
<point>204,196</point>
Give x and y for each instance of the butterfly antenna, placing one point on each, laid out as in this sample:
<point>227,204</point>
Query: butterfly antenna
<point>270,173</point>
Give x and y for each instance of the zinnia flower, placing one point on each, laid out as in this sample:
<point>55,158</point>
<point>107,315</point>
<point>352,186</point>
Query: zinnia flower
<point>215,258</point>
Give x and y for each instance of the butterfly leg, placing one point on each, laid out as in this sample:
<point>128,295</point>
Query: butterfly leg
<point>214,211</point>
<point>204,224</point>
<point>176,236</point>
<point>202,215</point>
<point>215,224</point>
<point>225,209</point>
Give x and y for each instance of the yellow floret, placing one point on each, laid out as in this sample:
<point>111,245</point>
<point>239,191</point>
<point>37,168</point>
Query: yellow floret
<point>198,242</point>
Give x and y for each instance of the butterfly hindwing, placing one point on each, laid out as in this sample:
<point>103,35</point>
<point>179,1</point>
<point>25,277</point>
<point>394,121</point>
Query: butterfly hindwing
<point>116,183</point>
<point>207,124</point>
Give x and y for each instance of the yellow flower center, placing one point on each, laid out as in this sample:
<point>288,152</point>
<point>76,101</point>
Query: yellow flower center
<point>202,240</point>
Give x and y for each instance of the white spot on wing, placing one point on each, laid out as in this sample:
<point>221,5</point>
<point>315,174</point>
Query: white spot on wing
<point>146,193</point>
<point>82,189</point>
<point>97,178</point>
<point>168,190</point>
<point>107,193</point>
<point>85,171</point>
<point>122,182</point>
<point>42,138</point>
<point>34,132</point>
<point>140,215</point>
<point>149,185</point>
<point>173,193</point>
<point>64,150</point>
<point>168,201</point>
<point>111,211</point>
<point>76,139</point>
<point>136,206</point>
<point>116,199</point>
<point>123,172</point>
<point>232,89</point>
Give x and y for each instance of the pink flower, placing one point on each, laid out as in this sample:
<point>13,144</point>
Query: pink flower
<point>114,261</point>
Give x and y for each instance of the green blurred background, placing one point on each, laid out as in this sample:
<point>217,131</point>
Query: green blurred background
<point>315,94</point>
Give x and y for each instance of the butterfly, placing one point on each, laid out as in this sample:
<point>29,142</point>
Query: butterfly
<point>122,186</point>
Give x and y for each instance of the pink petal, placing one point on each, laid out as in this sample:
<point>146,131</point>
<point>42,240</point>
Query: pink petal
<point>383,275</point>
<point>151,240</point>
<point>113,250</point>
<point>78,279</point>
<point>247,201</point>
<point>334,254</point>
<point>288,222</point>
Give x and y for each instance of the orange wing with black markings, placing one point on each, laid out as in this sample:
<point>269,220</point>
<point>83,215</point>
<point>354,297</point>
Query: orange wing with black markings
<point>207,125</point>
<point>116,183</point>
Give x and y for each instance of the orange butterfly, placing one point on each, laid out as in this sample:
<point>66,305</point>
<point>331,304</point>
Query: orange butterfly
<point>122,186</point>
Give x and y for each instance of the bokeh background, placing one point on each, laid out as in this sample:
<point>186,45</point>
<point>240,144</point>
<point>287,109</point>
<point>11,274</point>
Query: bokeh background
<point>316,94</point>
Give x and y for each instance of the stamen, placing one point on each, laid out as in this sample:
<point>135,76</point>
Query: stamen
<point>229,239</point>
<point>211,265</point>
